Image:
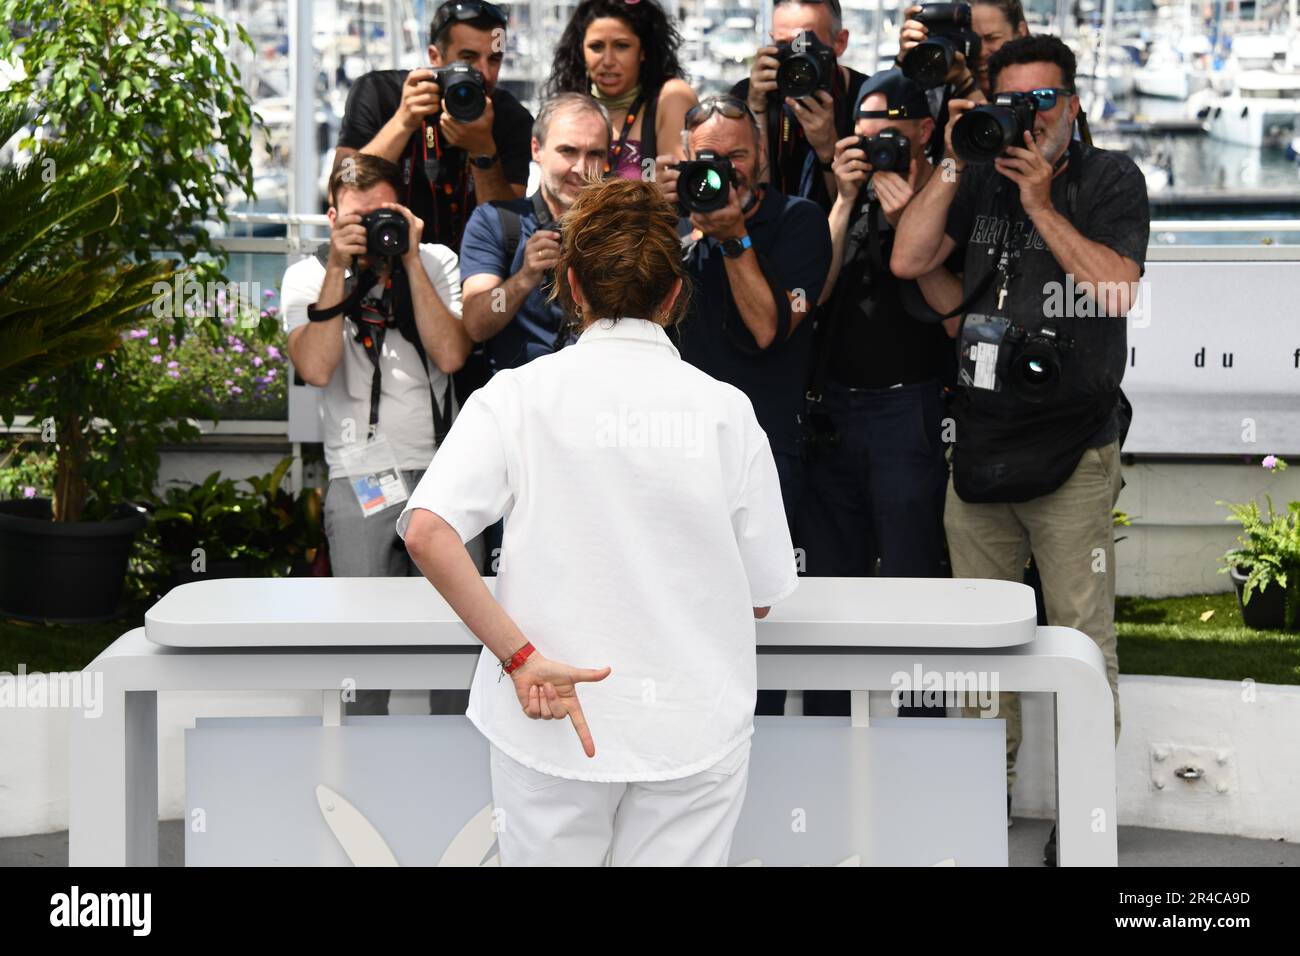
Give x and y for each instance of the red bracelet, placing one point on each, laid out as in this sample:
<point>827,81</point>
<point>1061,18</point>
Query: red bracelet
<point>516,660</point>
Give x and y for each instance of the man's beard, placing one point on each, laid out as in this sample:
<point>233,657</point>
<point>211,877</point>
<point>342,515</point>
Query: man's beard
<point>1057,140</point>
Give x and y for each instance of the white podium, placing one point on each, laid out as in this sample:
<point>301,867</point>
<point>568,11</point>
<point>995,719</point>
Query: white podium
<point>851,634</point>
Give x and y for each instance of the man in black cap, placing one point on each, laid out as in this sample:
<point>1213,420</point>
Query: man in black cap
<point>876,473</point>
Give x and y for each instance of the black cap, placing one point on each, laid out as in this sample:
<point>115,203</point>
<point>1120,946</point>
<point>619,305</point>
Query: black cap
<point>904,99</point>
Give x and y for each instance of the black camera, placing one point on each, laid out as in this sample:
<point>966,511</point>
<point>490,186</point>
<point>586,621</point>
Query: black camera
<point>982,134</point>
<point>705,182</point>
<point>887,151</point>
<point>463,92</point>
<point>388,234</point>
<point>1031,361</point>
<point>807,65</point>
<point>949,32</point>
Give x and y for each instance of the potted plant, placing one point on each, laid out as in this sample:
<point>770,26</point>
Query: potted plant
<point>1265,567</point>
<point>150,97</point>
<point>216,530</point>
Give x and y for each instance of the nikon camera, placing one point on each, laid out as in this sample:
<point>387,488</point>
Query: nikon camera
<point>983,133</point>
<point>705,182</point>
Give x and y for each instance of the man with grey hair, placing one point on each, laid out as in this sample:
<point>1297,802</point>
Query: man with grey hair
<point>510,248</point>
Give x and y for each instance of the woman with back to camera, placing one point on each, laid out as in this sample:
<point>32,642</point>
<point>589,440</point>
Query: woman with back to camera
<point>625,55</point>
<point>644,532</point>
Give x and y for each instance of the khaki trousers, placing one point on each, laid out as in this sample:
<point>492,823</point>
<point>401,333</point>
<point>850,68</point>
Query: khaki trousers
<point>1071,534</point>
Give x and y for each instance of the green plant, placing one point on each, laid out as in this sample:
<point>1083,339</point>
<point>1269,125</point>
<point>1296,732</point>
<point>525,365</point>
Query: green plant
<point>150,90</point>
<point>1269,547</point>
<point>267,527</point>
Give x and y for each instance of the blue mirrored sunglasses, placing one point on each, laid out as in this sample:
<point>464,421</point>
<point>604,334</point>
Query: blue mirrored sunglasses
<point>1045,98</point>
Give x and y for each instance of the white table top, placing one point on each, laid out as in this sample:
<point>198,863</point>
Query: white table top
<point>361,612</point>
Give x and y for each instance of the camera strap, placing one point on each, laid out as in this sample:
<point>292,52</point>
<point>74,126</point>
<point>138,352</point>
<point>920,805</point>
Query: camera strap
<point>371,326</point>
<point>833,309</point>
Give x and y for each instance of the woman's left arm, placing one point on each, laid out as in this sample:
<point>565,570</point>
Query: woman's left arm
<point>437,551</point>
<point>675,98</point>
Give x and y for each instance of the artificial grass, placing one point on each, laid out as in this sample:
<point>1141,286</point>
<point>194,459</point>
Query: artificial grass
<point>1156,636</point>
<point>1167,636</point>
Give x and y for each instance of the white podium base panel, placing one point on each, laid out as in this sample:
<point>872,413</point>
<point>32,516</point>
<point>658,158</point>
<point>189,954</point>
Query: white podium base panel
<point>902,792</point>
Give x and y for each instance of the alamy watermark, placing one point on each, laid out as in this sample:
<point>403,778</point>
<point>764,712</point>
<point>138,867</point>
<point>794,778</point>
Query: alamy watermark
<point>978,689</point>
<point>639,428</point>
<point>83,690</point>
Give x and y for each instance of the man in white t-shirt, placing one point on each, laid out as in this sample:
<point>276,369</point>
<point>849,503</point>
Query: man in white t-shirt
<point>644,531</point>
<point>382,357</point>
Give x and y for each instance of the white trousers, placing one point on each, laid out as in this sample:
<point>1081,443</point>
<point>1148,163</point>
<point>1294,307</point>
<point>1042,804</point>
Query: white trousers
<point>544,820</point>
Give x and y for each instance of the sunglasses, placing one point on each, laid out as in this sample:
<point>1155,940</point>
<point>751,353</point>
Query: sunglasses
<point>460,10</point>
<point>728,106</point>
<point>1045,98</point>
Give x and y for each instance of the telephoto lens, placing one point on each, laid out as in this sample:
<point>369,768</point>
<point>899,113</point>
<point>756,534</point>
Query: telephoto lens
<point>705,182</point>
<point>949,32</point>
<point>464,94</point>
<point>887,151</point>
<point>387,233</point>
<point>807,65</point>
<point>983,134</point>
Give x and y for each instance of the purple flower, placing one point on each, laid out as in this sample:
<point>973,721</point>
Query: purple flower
<point>154,340</point>
<point>238,370</point>
<point>99,366</point>
<point>270,374</point>
<point>29,492</point>
<point>173,364</point>
<point>228,383</point>
<point>138,333</point>
<point>157,360</point>
<point>269,294</point>
<point>236,390</point>
<point>1270,462</point>
<point>272,352</point>
<point>272,310</point>
<point>237,347</point>
<point>174,374</point>
<point>257,361</point>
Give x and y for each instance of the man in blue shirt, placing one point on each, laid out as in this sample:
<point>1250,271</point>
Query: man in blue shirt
<point>511,246</point>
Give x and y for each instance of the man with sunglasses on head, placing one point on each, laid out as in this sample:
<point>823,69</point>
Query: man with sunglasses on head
<point>1054,234</point>
<point>448,166</point>
<point>758,264</point>
<point>799,134</point>
<point>875,463</point>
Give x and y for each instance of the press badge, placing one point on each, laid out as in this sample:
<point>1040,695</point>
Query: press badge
<point>981,341</point>
<point>374,476</point>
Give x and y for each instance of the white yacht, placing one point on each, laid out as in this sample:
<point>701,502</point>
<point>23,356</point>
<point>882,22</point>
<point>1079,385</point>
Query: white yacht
<point>1259,110</point>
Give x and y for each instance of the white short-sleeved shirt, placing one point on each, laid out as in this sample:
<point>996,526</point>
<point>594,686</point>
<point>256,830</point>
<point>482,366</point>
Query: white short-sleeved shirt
<point>405,409</point>
<point>643,524</point>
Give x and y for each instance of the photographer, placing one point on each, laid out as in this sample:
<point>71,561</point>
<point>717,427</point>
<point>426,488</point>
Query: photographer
<point>447,164</point>
<point>876,469</point>
<point>510,248</point>
<point>758,263</point>
<point>1040,417</point>
<point>800,131</point>
<point>994,22</point>
<point>379,333</point>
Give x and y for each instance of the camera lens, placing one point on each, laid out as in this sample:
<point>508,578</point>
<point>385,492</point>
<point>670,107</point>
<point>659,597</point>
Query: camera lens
<point>1035,372</point>
<point>981,135</point>
<point>928,63</point>
<point>465,99</point>
<point>389,239</point>
<point>798,76</point>
<point>704,185</point>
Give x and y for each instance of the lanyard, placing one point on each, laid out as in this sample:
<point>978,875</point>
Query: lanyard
<point>456,196</point>
<point>629,121</point>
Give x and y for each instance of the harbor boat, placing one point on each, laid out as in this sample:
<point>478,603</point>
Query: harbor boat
<point>1260,110</point>
<point>1167,74</point>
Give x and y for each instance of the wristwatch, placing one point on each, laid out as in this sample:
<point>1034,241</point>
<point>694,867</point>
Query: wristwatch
<point>483,162</point>
<point>733,248</point>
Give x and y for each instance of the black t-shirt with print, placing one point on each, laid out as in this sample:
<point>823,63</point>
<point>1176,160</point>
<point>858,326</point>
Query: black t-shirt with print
<point>1110,207</point>
<point>885,334</point>
<point>374,100</point>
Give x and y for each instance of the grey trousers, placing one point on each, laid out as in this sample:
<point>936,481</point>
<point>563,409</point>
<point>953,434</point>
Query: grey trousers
<point>368,547</point>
